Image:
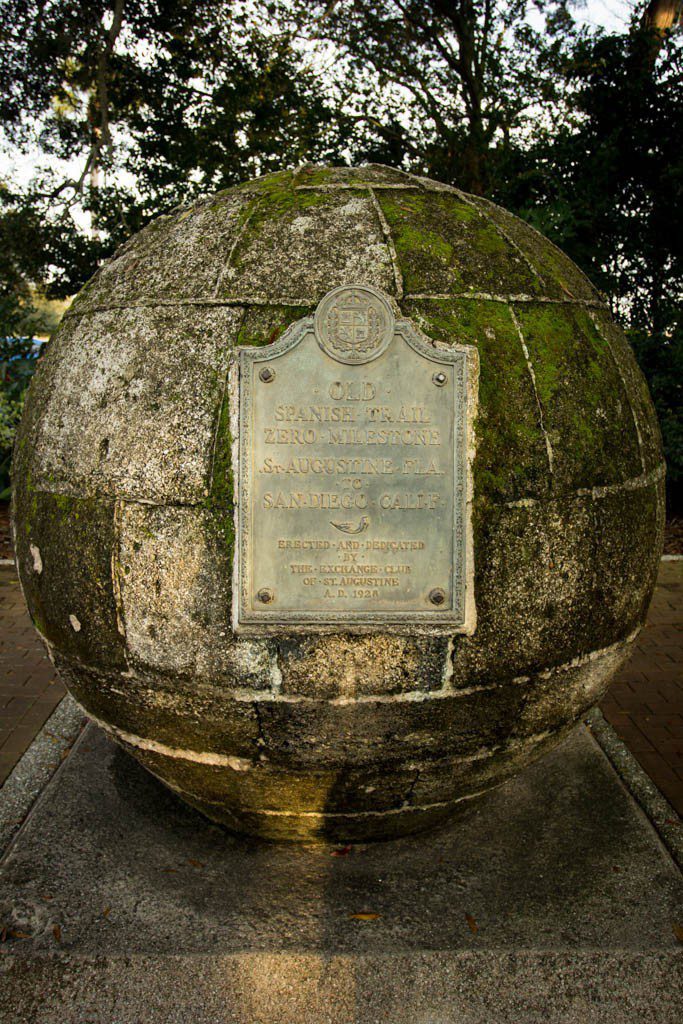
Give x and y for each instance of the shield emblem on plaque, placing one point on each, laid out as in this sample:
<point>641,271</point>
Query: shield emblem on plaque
<point>355,324</point>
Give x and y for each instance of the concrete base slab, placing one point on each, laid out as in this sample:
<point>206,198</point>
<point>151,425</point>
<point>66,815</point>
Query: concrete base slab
<point>550,899</point>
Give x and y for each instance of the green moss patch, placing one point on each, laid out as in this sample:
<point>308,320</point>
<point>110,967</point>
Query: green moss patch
<point>370,174</point>
<point>636,389</point>
<point>511,460</point>
<point>301,243</point>
<point>586,409</point>
<point>263,325</point>
<point>75,540</point>
<point>559,276</point>
<point>273,182</point>
<point>445,245</point>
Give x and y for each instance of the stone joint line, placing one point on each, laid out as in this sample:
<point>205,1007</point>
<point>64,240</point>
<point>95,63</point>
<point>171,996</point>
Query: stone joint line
<point>298,301</point>
<point>326,815</point>
<point>386,232</point>
<point>632,484</point>
<point>237,239</point>
<point>256,697</point>
<point>636,424</point>
<point>546,438</point>
<point>244,764</point>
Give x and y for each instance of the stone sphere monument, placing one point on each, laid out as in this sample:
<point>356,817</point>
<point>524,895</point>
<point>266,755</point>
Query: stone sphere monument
<point>338,500</point>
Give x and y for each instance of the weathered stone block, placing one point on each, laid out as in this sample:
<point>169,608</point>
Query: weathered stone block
<point>635,384</point>
<point>585,407</point>
<point>174,572</point>
<point>559,278</point>
<point>64,549</point>
<point>448,779</point>
<point>534,591</point>
<point>572,688</point>
<point>179,256</point>
<point>296,244</point>
<point>351,666</point>
<point>363,732</point>
<point>511,459</point>
<point>177,713</point>
<point>130,400</point>
<point>254,785</point>
<point>368,175</point>
<point>628,530</point>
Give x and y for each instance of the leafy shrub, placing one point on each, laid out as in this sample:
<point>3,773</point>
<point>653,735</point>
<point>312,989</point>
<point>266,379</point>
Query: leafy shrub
<point>18,358</point>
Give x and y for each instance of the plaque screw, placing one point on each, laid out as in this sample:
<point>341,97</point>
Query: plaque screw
<point>267,375</point>
<point>265,596</point>
<point>437,596</point>
<point>440,379</point>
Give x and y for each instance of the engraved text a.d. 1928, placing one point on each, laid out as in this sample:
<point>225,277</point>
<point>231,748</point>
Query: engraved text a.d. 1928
<point>352,475</point>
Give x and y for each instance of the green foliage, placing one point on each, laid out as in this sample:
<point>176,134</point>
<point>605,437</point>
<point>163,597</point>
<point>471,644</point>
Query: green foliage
<point>445,88</point>
<point>139,107</point>
<point>18,357</point>
<point>608,189</point>
<point>151,104</point>
<point>661,359</point>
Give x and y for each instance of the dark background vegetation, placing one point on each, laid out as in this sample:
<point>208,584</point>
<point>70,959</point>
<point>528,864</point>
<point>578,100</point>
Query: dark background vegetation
<point>133,107</point>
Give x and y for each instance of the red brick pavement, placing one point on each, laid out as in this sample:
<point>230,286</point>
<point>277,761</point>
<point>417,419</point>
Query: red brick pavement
<point>644,704</point>
<point>29,688</point>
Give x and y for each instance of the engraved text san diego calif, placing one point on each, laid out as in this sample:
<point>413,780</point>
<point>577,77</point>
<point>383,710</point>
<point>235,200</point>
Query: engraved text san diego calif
<point>352,486</point>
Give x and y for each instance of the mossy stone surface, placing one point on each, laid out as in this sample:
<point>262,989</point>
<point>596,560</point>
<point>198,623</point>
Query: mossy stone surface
<point>124,502</point>
<point>64,552</point>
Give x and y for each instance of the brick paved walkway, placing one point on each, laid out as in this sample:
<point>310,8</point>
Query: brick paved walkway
<point>29,688</point>
<point>644,704</point>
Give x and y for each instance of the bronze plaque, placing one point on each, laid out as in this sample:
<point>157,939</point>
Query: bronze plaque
<point>352,483</point>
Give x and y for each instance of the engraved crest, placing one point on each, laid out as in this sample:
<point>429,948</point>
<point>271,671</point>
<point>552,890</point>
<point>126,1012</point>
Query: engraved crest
<point>354,324</point>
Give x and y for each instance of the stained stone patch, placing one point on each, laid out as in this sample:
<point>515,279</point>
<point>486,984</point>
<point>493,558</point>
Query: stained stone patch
<point>298,244</point>
<point>449,778</point>
<point>313,734</point>
<point>625,563</point>
<point>575,688</point>
<point>259,785</point>
<point>534,592</point>
<point>64,551</point>
<point>325,826</point>
<point>136,405</point>
<point>176,712</point>
<point>275,181</point>
<point>350,666</point>
<point>174,582</point>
